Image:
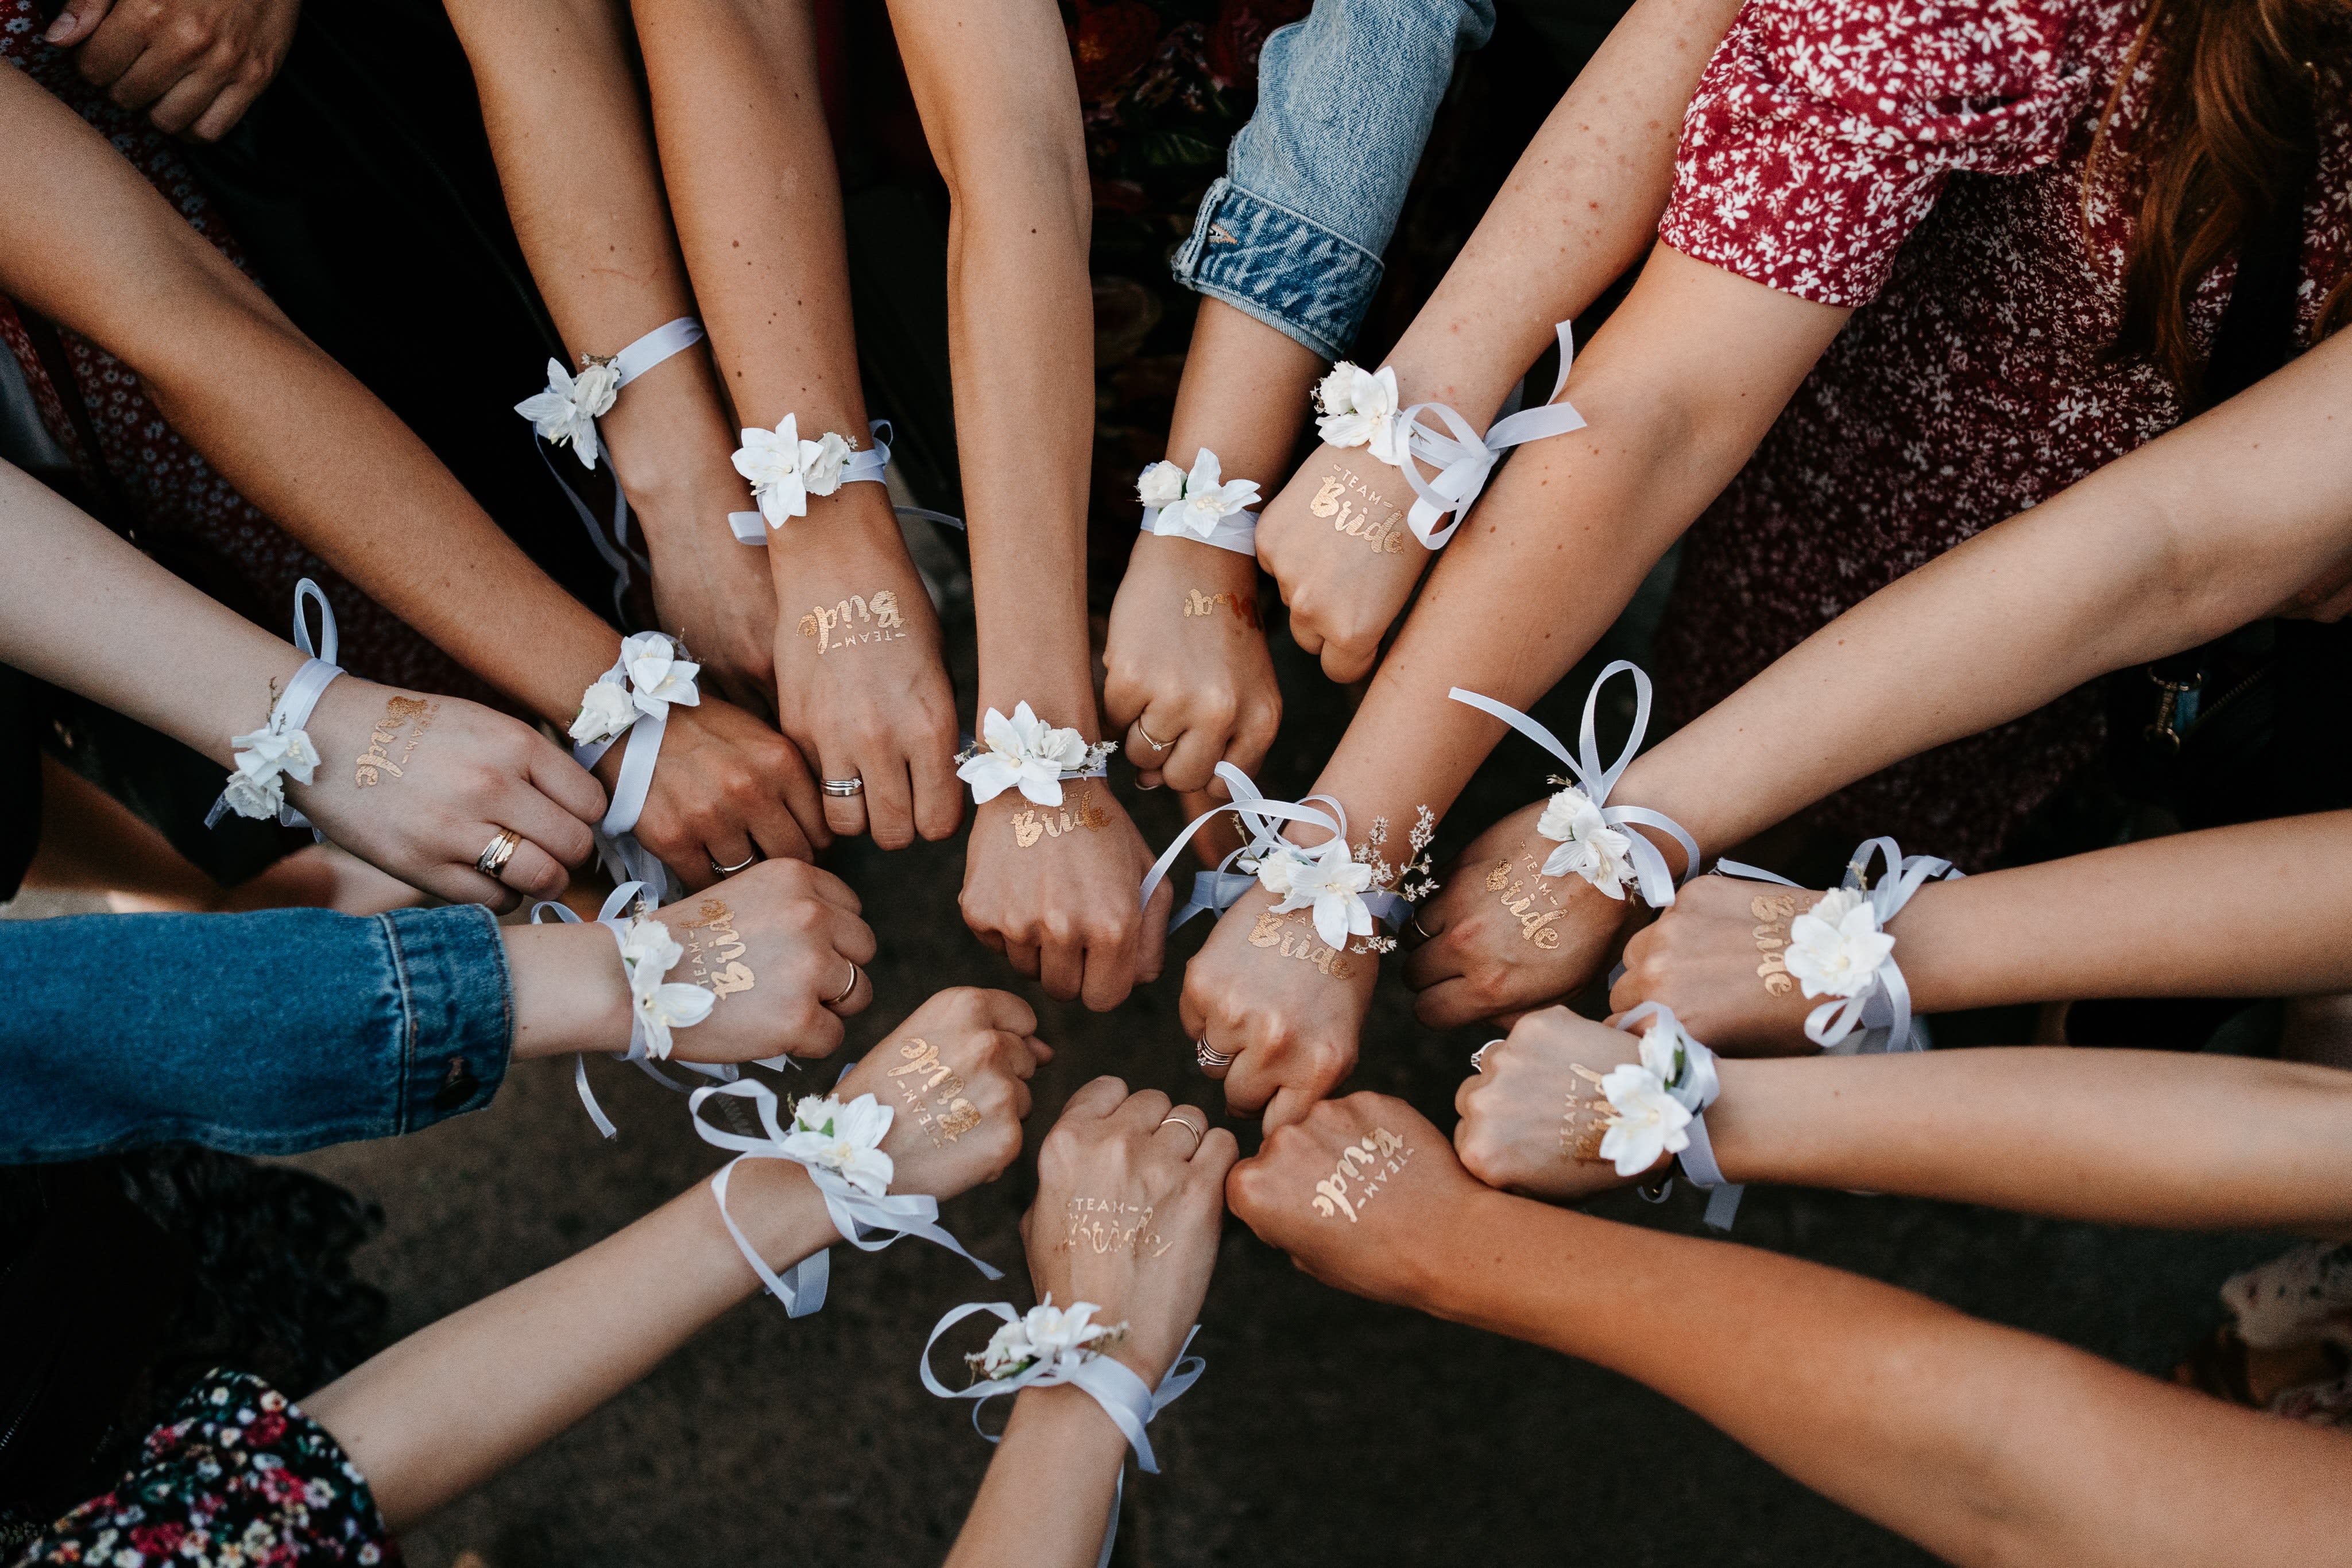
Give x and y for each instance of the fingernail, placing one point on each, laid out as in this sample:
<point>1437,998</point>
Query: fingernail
<point>61,29</point>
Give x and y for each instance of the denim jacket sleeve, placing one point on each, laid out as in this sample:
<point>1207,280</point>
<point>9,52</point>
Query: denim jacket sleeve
<point>256,1034</point>
<point>1293,233</point>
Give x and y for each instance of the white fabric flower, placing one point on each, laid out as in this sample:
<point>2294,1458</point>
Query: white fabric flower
<point>657,675</point>
<point>1589,847</point>
<point>846,1139</point>
<point>1206,501</point>
<point>1326,878</point>
<point>267,751</point>
<point>605,711</point>
<point>1046,1333</point>
<point>770,459</point>
<point>1023,752</point>
<point>649,953</point>
<point>1649,1124</point>
<point>249,795</point>
<point>1685,1067</point>
<point>822,463</point>
<point>1360,408</point>
<point>1835,949</point>
<point>1162,485</point>
<point>565,414</point>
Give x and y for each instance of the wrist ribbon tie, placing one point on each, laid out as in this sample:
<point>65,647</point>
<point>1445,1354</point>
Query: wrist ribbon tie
<point>281,745</point>
<point>633,698</point>
<point>1069,1357</point>
<point>1027,754</point>
<point>837,1144</point>
<point>1201,505</point>
<point>1338,887</point>
<point>1661,1106</point>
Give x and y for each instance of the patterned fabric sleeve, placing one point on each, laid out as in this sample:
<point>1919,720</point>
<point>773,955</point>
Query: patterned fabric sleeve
<point>237,1477</point>
<point>1822,130</point>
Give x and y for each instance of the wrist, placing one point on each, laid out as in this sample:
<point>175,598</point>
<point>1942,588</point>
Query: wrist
<point>1448,1278</point>
<point>570,993</point>
<point>1062,703</point>
<point>780,1211</point>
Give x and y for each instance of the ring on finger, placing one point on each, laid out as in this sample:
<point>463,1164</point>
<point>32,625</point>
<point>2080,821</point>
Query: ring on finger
<point>1155,744</point>
<point>836,1001</point>
<point>1479,1057</point>
<point>843,788</point>
<point>749,859</point>
<point>493,859</point>
<point>1198,1132</point>
<point>1209,1056</point>
<point>1424,932</point>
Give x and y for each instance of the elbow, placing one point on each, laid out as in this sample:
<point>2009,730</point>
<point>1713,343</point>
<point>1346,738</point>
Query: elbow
<point>1035,176</point>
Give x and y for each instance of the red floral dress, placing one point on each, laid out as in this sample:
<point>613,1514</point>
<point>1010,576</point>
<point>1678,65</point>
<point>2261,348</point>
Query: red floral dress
<point>1923,160</point>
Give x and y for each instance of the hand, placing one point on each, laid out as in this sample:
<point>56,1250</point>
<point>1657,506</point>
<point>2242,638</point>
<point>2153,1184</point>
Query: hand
<point>1362,1194</point>
<point>725,784</point>
<point>861,686</point>
<point>1053,889</point>
<point>201,63</point>
<point>957,1074</point>
<point>1128,1214</point>
<point>1344,587</point>
<point>714,589</point>
<point>783,948</point>
<point>419,786</point>
<point>1533,1115</point>
<point>1188,666</point>
<point>1503,937</point>
<point>1704,958</point>
<point>1267,991</point>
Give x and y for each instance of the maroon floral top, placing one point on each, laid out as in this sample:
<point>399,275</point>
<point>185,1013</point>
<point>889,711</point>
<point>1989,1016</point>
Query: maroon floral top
<point>1923,162</point>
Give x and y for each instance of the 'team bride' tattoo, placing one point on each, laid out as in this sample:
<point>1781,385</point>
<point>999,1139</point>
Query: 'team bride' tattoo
<point>398,712</point>
<point>1372,1160</point>
<point>1030,826</point>
<point>933,1093</point>
<point>1774,912</point>
<point>1110,1225</point>
<point>1243,605</point>
<point>714,950</point>
<point>1352,508</point>
<point>834,627</point>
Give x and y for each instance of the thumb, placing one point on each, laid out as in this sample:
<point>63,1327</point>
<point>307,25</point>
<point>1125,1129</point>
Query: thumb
<point>78,21</point>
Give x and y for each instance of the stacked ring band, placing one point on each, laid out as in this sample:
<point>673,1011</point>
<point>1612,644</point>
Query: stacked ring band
<point>1155,744</point>
<point>1208,1055</point>
<point>493,860</point>
<point>843,788</point>
<point>836,1001</point>
<point>1198,1132</point>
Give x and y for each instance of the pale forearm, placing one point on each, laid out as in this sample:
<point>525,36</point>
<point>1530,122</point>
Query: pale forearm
<point>2124,1137</point>
<point>1982,1444</point>
<point>569,992</point>
<point>529,1361</point>
<point>1245,396</point>
<point>1047,1495</point>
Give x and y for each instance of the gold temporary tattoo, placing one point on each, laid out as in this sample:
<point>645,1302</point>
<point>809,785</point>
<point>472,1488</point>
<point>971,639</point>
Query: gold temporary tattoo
<point>834,627</point>
<point>1773,911</point>
<point>1352,508</point>
<point>1371,1160</point>
<point>714,950</point>
<point>398,712</point>
<point>1586,1121</point>
<point>1029,826</point>
<point>933,1093</point>
<point>1106,1225</point>
<point>1269,933</point>
<point>1521,896</point>
<point>1243,605</point>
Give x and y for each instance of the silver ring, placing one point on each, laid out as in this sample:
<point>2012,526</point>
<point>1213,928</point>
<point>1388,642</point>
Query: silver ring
<point>836,1001</point>
<point>1155,744</point>
<point>1198,1132</point>
<point>843,788</point>
<point>1208,1055</point>
<point>751,860</point>
<point>1479,1057</point>
<point>493,860</point>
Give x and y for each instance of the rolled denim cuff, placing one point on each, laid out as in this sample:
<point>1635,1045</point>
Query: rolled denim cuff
<point>1302,279</point>
<point>452,969</point>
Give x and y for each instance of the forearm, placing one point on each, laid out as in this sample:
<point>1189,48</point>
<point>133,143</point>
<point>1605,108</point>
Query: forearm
<point>570,993</point>
<point>1982,1444</point>
<point>2122,1137</point>
<point>1580,207</point>
<point>1245,396</point>
<point>1047,1494</point>
<point>2211,526</point>
<point>1000,106</point>
<point>526,1363</point>
<point>2141,920</point>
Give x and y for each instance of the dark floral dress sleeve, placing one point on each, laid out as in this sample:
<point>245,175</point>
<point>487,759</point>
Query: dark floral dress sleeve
<point>1822,130</point>
<point>239,1477</point>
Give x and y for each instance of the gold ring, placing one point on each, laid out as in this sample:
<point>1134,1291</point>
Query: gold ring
<point>836,1001</point>
<point>1155,744</point>
<point>1424,932</point>
<point>1198,1132</point>
<point>493,860</point>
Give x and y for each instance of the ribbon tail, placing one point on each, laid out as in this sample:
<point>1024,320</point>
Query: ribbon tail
<point>1525,725</point>
<point>588,1098</point>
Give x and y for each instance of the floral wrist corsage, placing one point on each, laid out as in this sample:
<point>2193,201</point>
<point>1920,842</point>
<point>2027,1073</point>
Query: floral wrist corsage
<point>1026,753</point>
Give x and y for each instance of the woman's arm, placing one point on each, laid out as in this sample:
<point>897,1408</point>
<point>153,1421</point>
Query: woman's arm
<point>1984,1445</point>
<point>529,1361</point>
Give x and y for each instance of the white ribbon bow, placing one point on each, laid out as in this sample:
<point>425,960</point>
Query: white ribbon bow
<point>1881,1009</point>
<point>292,710</point>
<point>859,1217</point>
<point>1216,890</point>
<point>1112,1383</point>
<point>1656,881</point>
<point>1696,1089</point>
<point>1464,460</point>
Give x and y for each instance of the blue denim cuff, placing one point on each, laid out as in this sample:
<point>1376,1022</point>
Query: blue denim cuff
<point>1288,271</point>
<point>457,1002</point>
